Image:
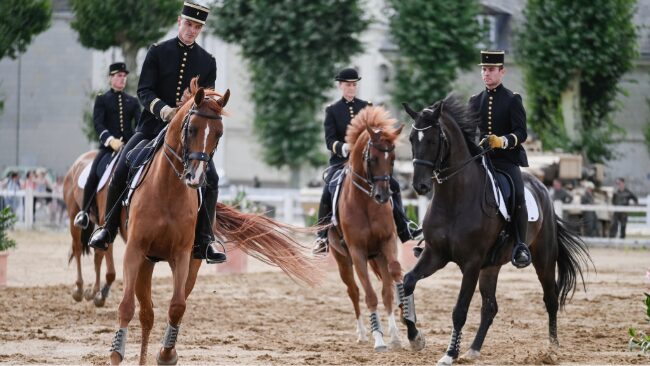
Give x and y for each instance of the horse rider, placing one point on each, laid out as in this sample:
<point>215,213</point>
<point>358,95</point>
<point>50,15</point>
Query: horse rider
<point>114,116</point>
<point>503,124</point>
<point>337,119</point>
<point>167,70</point>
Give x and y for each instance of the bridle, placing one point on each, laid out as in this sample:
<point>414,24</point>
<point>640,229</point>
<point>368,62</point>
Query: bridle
<point>187,155</point>
<point>370,179</point>
<point>440,172</point>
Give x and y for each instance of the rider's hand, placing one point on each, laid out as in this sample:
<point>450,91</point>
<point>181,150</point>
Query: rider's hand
<point>497,142</point>
<point>167,113</point>
<point>345,150</point>
<point>115,144</point>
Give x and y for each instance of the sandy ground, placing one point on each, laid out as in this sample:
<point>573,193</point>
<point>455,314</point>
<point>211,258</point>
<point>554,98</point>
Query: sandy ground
<point>263,318</point>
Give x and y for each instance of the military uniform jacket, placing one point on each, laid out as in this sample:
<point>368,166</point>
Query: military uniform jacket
<point>166,73</point>
<point>622,198</point>
<point>337,119</point>
<point>502,114</point>
<point>114,115</point>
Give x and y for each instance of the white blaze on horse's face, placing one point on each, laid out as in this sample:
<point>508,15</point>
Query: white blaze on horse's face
<point>205,137</point>
<point>420,136</point>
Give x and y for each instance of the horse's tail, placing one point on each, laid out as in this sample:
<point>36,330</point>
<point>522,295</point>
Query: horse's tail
<point>572,256</point>
<point>375,268</point>
<point>268,241</point>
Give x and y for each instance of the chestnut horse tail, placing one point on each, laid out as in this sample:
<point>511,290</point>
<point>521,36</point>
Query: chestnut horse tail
<point>269,241</point>
<point>375,268</point>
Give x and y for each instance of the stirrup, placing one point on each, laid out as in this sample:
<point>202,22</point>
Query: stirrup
<point>321,247</point>
<point>514,258</point>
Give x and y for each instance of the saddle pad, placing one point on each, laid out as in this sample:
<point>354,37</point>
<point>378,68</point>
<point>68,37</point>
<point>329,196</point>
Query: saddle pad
<point>531,203</point>
<point>336,181</point>
<point>83,177</point>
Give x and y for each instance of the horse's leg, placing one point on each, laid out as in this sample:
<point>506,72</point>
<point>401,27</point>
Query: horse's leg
<point>77,291</point>
<point>143,293</point>
<point>361,267</point>
<point>428,263</point>
<point>91,291</point>
<point>545,269</point>
<point>195,264</point>
<point>488,287</point>
<point>390,271</point>
<point>180,269</point>
<point>459,316</point>
<point>347,275</point>
<point>133,258</point>
<point>100,297</point>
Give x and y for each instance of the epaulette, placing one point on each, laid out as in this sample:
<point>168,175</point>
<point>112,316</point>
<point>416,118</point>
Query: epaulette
<point>369,103</point>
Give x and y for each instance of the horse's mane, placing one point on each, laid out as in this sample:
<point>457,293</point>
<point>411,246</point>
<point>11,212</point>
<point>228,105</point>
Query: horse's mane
<point>188,97</point>
<point>465,119</point>
<point>376,118</point>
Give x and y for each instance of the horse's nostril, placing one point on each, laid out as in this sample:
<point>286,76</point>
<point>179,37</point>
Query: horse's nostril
<point>423,187</point>
<point>188,176</point>
<point>378,197</point>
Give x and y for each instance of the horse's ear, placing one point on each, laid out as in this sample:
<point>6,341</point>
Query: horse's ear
<point>224,100</point>
<point>410,112</point>
<point>198,97</point>
<point>374,135</point>
<point>399,129</point>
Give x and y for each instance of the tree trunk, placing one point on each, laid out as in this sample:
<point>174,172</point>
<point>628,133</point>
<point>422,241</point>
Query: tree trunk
<point>130,53</point>
<point>570,106</point>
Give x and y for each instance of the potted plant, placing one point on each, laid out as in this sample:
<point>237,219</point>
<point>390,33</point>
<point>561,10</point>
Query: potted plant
<point>7,220</point>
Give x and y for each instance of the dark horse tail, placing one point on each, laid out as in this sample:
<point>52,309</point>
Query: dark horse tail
<point>572,256</point>
<point>269,241</point>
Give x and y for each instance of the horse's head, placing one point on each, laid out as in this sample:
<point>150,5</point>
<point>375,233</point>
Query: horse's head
<point>379,157</point>
<point>201,130</point>
<point>428,144</point>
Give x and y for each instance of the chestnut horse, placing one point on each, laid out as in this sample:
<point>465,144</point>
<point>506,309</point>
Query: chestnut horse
<point>366,219</point>
<point>462,225</point>
<point>162,216</point>
<point>73,197</point>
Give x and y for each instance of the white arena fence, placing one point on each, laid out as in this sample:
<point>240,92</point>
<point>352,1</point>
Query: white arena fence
<point>36,210</point>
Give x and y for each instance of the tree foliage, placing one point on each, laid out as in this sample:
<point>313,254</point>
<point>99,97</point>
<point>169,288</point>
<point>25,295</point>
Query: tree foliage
<point>294,48</point>
<point>129,25</point>
<point>20,20</point>
<point>436,39</point>
<point>591,40</point>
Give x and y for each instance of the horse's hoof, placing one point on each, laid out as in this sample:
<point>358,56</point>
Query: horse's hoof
<point>395,344</point>
<point>472,354</point>
<point>362,339</point>
<point>116,358</point>
<point>446,360</point>
<point>381,348</point>
<point>418,342</point>
<point>99,300</point>
<point>77,294</point>
<point>89,294</point>
<point>171,361</point>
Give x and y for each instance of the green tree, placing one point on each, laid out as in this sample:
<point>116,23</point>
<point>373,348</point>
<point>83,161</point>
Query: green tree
<point>293,48</point>
<point>129,25</point>
<point>436,39</point>
<point>20,20</point>
<point>582,47</point>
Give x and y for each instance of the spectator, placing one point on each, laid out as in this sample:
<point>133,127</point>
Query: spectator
<point>13,186</point>
<point>621,197</point>
<point>589,218</point>
<point>558,193</point>
<point>30,181</point>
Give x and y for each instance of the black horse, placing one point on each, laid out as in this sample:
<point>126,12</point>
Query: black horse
<point>462,225</point>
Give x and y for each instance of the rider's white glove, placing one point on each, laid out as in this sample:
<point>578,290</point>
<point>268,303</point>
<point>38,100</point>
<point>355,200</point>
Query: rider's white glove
<point>345,150</point>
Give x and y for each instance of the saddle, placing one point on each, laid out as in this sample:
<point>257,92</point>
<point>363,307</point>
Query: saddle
<point>103,172</point>
<point>139,158</point>
<point>503,189</point>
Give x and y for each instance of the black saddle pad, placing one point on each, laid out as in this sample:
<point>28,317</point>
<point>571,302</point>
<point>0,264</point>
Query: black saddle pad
<point>337,179</point>
<point>101,167</point>
<point>506,186</point>
<point>144,150</point>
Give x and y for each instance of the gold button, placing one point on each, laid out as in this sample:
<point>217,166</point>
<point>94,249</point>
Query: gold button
<point>182,65</point>
<point>184,59</point>
<point>179,82</point>
<point>182,71</point>
<point>178,88</point>
<point>490,97</point>
<point>185,53</point>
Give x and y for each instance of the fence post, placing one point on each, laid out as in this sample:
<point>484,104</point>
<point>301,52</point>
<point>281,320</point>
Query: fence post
<point>288,208</point>
<point>647,211</point>
<point>29,208</point>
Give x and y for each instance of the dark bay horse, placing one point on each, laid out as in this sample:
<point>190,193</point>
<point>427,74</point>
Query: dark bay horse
<point>73,197</point>
<point>366,219</point>
<point>162,217</point>
<point>462,225</point>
